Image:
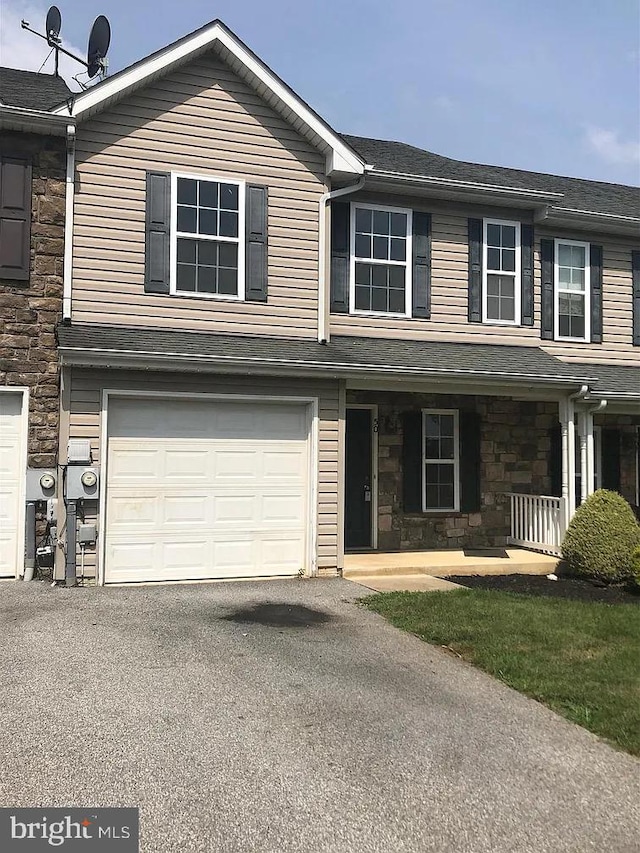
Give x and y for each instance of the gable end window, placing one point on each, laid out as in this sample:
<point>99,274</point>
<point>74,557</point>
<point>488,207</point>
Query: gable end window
<point>440,461</point>
<point>207,237</point>
<point>572,294</point>
<point>501,272</point>
<point>380,260</point>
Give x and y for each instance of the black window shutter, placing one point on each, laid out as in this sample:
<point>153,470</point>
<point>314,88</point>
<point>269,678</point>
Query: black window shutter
<point>15,218</point>
<point>421,264</point>
<point>158,218</point>
<point>475,271</point>
<point>412,461</point>
<point>610,444</point>
<point>546,318</point>
<point>526,260</point>
<point>555,461</point>
<point>635,275</point>
<point>595,264</point>
<point>256,246</point>
<point>340,235</point>
<point>470,427</point>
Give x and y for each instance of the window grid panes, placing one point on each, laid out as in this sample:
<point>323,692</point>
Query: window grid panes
<point>571,286</point>
<point>501,246</point>
<point>380,246</point>
<point>440,460</point>
<point>207,236</point>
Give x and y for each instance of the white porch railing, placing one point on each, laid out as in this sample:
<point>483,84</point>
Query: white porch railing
<point>537,522</point>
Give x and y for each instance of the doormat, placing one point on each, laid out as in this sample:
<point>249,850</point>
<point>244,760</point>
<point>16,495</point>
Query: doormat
<point>486,552</point>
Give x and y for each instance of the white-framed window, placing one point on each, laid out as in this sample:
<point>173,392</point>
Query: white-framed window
<point>571,292</point>
<point>440,460</point>
<point>380,271</point>
<point>501,262</point>
<point>207,236</point>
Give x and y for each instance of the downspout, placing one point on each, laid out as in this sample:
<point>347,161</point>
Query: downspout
<point>68,222</point>
<point>323,300</point>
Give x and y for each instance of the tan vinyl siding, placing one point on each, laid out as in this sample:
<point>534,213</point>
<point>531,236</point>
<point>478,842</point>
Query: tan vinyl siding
<point>201,119</point>
<point>449,287</point>
<point>85,418</point>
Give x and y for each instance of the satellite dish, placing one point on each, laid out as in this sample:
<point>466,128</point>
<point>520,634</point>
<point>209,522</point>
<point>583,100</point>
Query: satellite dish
<point>99,39</point>
<point>53,24</point>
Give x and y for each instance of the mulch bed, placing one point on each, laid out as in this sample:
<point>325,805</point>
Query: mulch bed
<point>565,587</point>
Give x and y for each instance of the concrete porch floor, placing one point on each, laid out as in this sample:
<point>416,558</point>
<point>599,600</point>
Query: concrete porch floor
<point>422,570</point>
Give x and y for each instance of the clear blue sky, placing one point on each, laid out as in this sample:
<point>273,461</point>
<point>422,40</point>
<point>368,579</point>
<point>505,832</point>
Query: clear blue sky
<point>550,85</point>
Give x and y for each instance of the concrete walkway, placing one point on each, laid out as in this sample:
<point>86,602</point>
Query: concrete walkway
<point>280,717</point>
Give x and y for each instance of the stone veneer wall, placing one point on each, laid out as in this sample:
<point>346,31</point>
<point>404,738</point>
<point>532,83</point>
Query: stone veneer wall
<point>515,448</point>
<point>628,426</point>
<point>29,310</point>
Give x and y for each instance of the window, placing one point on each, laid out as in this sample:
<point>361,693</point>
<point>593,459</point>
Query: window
<point>571,290</point>
<point>380,255</point>
<point>207,224</point>
<point>441,460</point>
<point>501,266</point>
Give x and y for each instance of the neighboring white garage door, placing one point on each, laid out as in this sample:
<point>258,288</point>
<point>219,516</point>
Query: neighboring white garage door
<point>206,489</point>
<point>12,474</point>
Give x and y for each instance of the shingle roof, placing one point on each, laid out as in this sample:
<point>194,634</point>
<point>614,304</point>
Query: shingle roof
<point>612,378</point>
<point>30,90</point>
<point>579,194</point>
<point>343,354</point>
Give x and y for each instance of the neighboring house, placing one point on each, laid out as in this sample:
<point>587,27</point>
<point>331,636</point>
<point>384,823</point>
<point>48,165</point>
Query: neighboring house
<point>32,201</point>
<point>283,343</point>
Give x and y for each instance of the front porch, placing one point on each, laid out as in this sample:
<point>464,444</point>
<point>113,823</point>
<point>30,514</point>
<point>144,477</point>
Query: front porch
<point>431,477</point>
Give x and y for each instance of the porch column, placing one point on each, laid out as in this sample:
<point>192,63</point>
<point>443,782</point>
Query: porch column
<point>568,429</point>
<point>587,453</point>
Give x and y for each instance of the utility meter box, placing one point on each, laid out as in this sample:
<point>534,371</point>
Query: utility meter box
<point>41,484</point>
<point>81,483</point>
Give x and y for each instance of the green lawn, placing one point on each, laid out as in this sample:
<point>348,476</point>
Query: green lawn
<point>580,659</point>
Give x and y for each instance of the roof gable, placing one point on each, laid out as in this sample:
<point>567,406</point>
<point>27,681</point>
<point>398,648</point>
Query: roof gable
<point>340,157</point>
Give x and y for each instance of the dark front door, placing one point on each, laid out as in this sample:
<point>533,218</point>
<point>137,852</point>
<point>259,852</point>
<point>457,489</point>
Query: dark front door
<point>358,479</point>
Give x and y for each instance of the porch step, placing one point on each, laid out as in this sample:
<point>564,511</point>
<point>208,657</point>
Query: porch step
<point>404,583</point>
<point>443,563</point>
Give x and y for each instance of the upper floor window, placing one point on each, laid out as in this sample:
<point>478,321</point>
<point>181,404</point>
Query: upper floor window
<point>207,230</point>
<point>501,272</point>
<point>380,260</point>
<point>571,290</point>
<point>441,460</point>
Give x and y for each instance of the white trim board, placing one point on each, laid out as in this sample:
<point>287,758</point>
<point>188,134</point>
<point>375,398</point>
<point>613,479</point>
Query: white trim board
<point>312,404</point>
<point>340,156</point>
<point>24,442</point>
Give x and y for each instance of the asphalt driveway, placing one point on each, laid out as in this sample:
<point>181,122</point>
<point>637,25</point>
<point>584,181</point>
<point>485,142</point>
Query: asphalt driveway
<point>280,716</point>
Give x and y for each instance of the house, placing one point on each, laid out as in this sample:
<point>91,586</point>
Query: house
<point>33,154</point>
<point>280,343</point>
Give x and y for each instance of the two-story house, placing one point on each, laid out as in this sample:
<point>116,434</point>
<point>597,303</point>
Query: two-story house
<point>33,153</point>
<point>284,343</point>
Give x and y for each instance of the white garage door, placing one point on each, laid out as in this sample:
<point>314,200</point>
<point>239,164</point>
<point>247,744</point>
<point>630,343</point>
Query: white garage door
<point>12,473</point>
<point>206,489</point>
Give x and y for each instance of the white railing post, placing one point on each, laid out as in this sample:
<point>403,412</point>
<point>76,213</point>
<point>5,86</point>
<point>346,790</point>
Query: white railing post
<point>537,522</point>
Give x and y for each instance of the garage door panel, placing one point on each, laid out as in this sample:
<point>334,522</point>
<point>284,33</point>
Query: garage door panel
<point>12,472</point>
<point>207,505</point>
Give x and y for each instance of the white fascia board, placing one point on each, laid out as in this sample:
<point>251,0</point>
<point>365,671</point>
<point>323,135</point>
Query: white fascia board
<point>454,183</point>
<point>345,159</point>
<point>39,121</point>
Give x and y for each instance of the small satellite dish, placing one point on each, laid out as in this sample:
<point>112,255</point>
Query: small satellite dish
<point>53,24</point>
<point>99,39</point>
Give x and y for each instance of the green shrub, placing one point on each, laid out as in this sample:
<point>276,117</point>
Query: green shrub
<point>635,567</point>
<point>601,538</point>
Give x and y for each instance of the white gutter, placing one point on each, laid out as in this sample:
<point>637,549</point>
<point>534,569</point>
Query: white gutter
<point>233,361</point>
<point>68,222</point>
<point>324,333</point>
<point>37,120</point>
